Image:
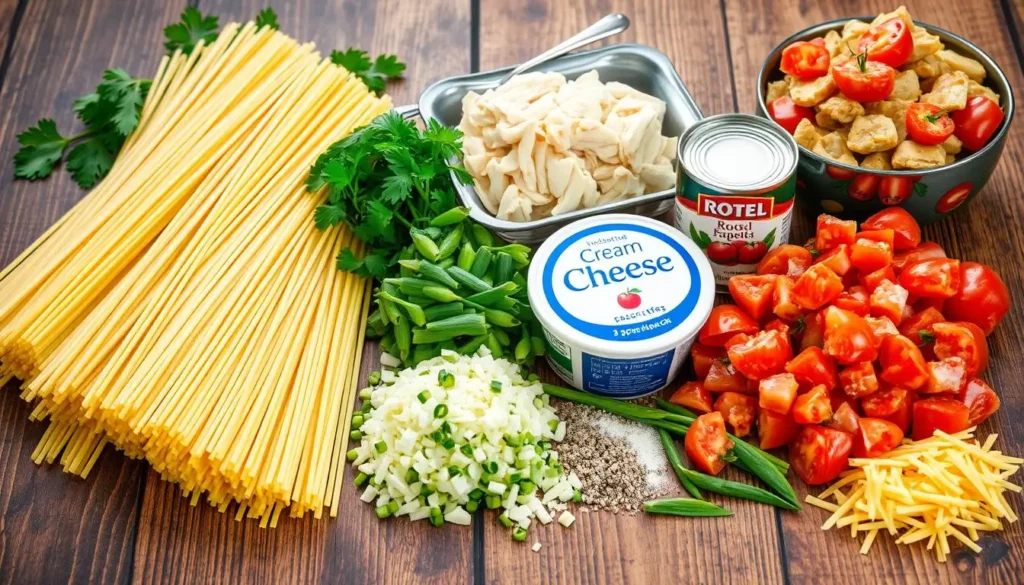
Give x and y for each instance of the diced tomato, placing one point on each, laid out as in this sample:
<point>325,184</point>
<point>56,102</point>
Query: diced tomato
<point>784,305</point>
<point>776,393</point>
<point>753,293</point>
<point>820,454</point>
<point>848,337</point>
<point>778,325</point>
<point>892,404</point>
<point>881,327</point>
<point>855,300</point>
<point>738,339</point>
<point>963,340</point>
<point>707,443</point>
<point>923,321</point>
<point>876,437</point>
<point>694,396</point>
<point>787,114</point>
<point>925,251</point>
<point>948,415</point>
<point>845,419</point>
<point>762,355</point>
<point>837,259</point>
<point>980,399</point>
<point>919,305</point>
<point>832,231</point>
<point>889,300</point>
<point>935,278</point>
<point>703,356</point>
<point>739,411</point>
<point>902,363</point>
<point>812,368</point>
<point>786,259</point>
<point>858,380</point>
<point>837,398</point>
<point>817,287</point>
<point>906,230</point>
<point>812,407</point>
<point>811,330</point>
<point>981,297</point>
<point>889,42</point>
<point>804,60</point>
<point>775,430</point>
<point>868,254</point>
<point>723,377</point>
<point>948,375</point>
<point>726,321</point>
<point>873,279</point>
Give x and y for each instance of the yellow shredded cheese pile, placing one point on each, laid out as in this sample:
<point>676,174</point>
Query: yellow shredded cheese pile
<point>947,486</point>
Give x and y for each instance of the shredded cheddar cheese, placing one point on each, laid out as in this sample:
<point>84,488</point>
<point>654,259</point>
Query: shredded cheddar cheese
<point>942,489</point>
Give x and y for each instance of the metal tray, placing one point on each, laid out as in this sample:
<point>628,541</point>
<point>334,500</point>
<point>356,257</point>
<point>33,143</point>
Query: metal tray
<point>638,66</point>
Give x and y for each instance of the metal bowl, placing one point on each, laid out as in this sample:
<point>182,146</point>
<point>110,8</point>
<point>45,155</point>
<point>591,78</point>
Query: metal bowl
<point>930,194</point>
<point>638,66</point>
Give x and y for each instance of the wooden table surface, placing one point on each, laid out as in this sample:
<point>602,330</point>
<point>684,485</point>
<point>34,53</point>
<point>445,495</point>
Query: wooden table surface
<point>123,524</point>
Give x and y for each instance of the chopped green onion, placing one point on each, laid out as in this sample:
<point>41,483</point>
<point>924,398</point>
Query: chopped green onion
<point>448,443</point>
<point>380,446</point>
<point>492,501</point>
<point>383,511</point>
<point>477,494</point>
<point>519,534</point>
<point>393,506</point>
<point>515,478</point>
<point>441,411</point>
<point>577,496</point>
<point>454,470</point>
<point>361,479</point>
<point>436,518</point>
<point>412,476</point>
<point>357,420</point>
<point>472,506</point>
<point>355,435</point>
<point>423,397</point>
<point>352,455</point>
<point>365,393</point>
<point>445,379</point>
<point>374,378</point>
<point>503,519</point>
<point>526,487</point>
<point>495,386</point>
<point>491,467</point>
<point>467,450</point>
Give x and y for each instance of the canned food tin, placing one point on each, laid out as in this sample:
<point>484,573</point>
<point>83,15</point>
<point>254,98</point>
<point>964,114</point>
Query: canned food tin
<point>735,191</point>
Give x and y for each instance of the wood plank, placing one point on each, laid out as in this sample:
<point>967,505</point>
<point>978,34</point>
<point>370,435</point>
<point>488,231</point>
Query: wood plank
<point>179,543</point>
<point>8,8</point>
<point>990,232</point>
<point>602,547</point>
<point>55,528</point>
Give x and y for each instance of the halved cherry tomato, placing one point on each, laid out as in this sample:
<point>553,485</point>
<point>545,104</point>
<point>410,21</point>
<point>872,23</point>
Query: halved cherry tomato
<point>775,430</point>
<point>848,337</point>
<point>892,404</point>
<point>813,368</point>
<point>707,443</point>
<point>855,300</point>
<point>837,259</point>
<point>753,293</point>
<point>703,356</point>
<point>739,411</point>
<point>928,124</point>
<point>934,278</point>
<point>762,355</point>
<point>889,300</point>
<point>805,61</point>
<point>902,363</point>
<point>723,377</point>
<point>872,250</point>
<point>724,322</point>
<point>923,321</point>
<point>977,122</point>
<point>845,419</point>
<point>953,198</point>
<point>694,396</point>
<point>889,42</point>
<point>817,287</point>
<point>980,399</point>
<point>812,407</point>
<point>776,393</point>
<point>981,297</point>
<point>832,231</point>
<point>787,259</point>
<point>945,414</point>
<point>859,380</point>
<point>893,190</point>
<point>864,81</point>
<point>877,437</point>
<point>963,340</point>
<point>820,454</point>
<point>864,187</point>
<point>787,114</point>
<point>811,330</point>
<point>906,230</point>
<point>945,376</point>
<point>925,251</point>
<point>881,327</point>
<point>871,280</point>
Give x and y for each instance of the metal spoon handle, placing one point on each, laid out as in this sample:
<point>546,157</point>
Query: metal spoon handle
<point>609,25</point>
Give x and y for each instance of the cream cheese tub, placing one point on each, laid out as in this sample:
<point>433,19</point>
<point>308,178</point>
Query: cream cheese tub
<point>621,299</point>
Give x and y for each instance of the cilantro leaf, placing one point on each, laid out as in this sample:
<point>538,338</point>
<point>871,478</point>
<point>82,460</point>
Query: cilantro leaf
<point>327,216</point>
<point>353,59</point>
<point>91,160</point>
<point>267,17</point>
<point>193,28</point>
<point>348,262</point>
<point>376,73</point>
<point>125,96</point>
<point>41,149</point>
<point>376,265</point>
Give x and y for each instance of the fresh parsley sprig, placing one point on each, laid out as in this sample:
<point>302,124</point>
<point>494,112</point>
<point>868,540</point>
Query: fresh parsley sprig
<point>375,74</point>
<point>382,180</point>
<point>192,28</point>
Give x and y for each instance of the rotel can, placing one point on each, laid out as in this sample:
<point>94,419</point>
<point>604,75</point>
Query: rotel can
<point>735,191</point>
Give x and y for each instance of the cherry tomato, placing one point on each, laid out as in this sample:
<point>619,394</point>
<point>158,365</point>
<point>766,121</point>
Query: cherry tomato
<point>837,259</point>
<point>963,340</point>
<point>888,300</point>
<point>707,443</point>
<point>739,411</point>
<point>980,399</point>
<point>894,190</point>
<point>776,393</point>
<point>928,124</point>
<point>892,404</point>
<point>817,287</point>
<point>783,304</point>
<point>923,321</point>
<point>902,363</point>
<point>864,81</point>
<point>820,454</point>
<point>848,337</point>
<point>787,114</point>
<point>813,368</point>
<point>703,356</point>
<point>869,254</point>
<point>787,259</point>
<point>812,407</point>
<point>775,430</point>
<point>871,280</point>
<point>925,251</point>
<point>753,293</point>
<point>978,122</point>
<point>881,327</point>
<point>943,414</point>
<point>906,230</point>
<point>845,419</point>
<point>723,377</point>
<point>762,355</point>
<point>692,395</point>
<point>935,278</point>
<point>864,187</point>
<point>832,231</point>
<point>981,297</point>
<point>954,198</point>
<point>853,299</point>
<point>947,375</point>
<point>724,322</point>
<point>839,173</point>
<point>805,61</point>
<point>889,42</point>
<point>876,437</point>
